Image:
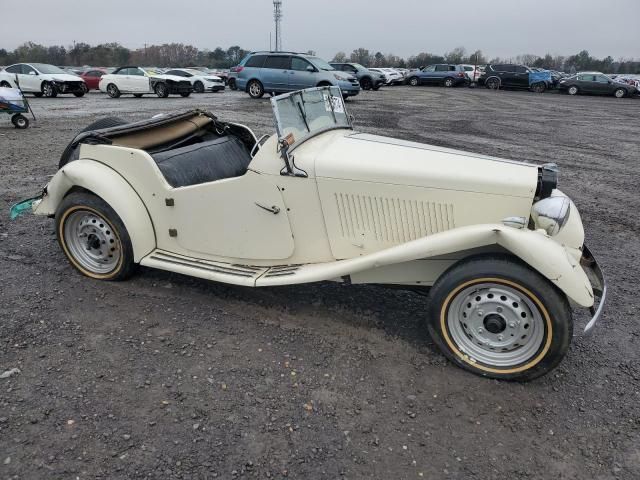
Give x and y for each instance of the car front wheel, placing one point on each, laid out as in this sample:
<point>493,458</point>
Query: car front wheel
<point>93,237</point>
<point>161,90</point>
<point>255,89</point>
<point>49,90</point>
<point>620,93</point>
<point>413,81</point>
<point>496,317</point>
<point>198,87</point>
<point>573,90</point>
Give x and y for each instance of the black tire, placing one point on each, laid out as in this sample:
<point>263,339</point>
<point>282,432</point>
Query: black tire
<point>82,202</point>
<point>232,84</point>
<point>5,84</point>
<point>49,90</point>
<point>255,89</point>
<point>573,90</point>
<point>413,81</point>
<point>185,94</point>
<point>198,87</point>
<point>492,83</point>
<point>448,82</point>
<point>539,87</point>
<point>138,95</point>
<point>113,91</point>
<point>20,121</point>
<point>553,327</point>
<point>37,94</point>
<point>620,93</point>
<point>161,90</point>
<point>107,122</point>
<point>79,94</point>
<point>366,83</point>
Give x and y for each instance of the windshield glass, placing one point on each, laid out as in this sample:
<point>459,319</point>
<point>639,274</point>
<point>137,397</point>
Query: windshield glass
<point>320,63</point>
<point>49,69</point>
<point>306,113</point>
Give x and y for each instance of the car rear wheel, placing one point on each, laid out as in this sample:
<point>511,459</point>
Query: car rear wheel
<point>161,90</point>
<point>413,81</point>
<point>255,89</point>
<point>198,87</point>
<point>49,90</point>
<point>93,237</point>
<point>493,83</point>
<point>112,91</point>
<point>573,90</point>
<point>232,84</point>
<point>496,317</point>
<point>620,93</point>
<point>449,82</point>
<point>366,84</point>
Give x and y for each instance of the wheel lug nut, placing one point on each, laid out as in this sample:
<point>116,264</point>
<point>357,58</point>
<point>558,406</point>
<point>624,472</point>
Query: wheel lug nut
<point>512,324</point>
<point>500,337</point>
<point>480,313</point>
<point>499,309</point>
<point>481,330</point>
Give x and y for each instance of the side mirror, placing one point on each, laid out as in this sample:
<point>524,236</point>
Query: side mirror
<point>310,69</point>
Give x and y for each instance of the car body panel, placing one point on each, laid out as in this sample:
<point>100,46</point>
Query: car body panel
<point>142,81</point>
<point>31,79</point>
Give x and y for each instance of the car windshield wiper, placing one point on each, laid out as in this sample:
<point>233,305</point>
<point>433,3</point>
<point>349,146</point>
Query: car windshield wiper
<point>302,114</point>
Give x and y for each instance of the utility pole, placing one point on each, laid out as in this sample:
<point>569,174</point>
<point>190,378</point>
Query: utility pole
<point>277,16</point>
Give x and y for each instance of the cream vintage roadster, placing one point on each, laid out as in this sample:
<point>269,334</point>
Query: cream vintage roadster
<point>498,248</point>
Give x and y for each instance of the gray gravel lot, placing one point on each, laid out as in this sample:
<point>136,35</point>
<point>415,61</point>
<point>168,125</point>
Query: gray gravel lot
<point>166,376</point>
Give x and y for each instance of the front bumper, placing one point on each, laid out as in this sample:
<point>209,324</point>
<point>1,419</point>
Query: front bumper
<point>69,87</point>
<point>215,87</point>
<point>179,87</point>
<point>599,285</point>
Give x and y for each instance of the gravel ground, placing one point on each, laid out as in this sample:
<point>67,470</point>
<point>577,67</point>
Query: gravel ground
<point>166,376</point>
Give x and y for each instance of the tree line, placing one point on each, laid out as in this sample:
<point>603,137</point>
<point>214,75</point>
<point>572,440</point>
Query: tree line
<point>181,55</point>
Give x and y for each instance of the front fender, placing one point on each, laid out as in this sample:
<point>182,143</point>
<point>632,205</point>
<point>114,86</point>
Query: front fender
<point>109,185</point>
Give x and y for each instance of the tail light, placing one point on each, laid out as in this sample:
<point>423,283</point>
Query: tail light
<point>461,74</point>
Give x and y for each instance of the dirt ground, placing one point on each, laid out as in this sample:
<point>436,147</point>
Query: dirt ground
<point>166,376</point>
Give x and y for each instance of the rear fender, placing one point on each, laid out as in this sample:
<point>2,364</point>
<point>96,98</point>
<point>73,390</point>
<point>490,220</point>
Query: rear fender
<point>113,189</point>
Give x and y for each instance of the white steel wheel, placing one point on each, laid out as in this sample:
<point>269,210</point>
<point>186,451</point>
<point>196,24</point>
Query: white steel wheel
<point>573,90</point>
<point>256,90</point>
<point>620,93</point>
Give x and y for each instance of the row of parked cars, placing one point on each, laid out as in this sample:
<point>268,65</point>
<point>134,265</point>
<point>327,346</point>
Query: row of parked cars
<point>49,81</point>
<point>280,72</point>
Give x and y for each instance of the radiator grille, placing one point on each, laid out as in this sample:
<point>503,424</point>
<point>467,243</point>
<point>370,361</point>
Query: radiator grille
<point>391,220</point>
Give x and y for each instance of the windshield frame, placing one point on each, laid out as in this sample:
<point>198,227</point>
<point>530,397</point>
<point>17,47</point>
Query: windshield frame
<point>332,92</point>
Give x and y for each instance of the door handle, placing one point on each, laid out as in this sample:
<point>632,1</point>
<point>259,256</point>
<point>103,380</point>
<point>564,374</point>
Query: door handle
<point>275,210</point>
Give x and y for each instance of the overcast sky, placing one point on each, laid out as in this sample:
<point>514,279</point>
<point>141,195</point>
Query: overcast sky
<point>404,27</point>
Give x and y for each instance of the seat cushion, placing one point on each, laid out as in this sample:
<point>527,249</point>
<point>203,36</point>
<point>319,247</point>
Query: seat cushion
<point>224,157</point>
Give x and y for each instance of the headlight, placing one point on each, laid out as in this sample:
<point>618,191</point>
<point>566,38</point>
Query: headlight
<point>340,77</point>
<point>551,214</point>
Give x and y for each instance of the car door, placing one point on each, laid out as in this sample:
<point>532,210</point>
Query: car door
<point>13,72</point>
<point>138,81</point>
<point>603,85</point>
<point>275,73</point>
<point>508,76</point>
<point>427,74</point>
<point>521,76</point>
<point>302,74</point>
<point>242,217</point>
<point>586,83</point>
<point>440,73</point>
<point>30,79</point>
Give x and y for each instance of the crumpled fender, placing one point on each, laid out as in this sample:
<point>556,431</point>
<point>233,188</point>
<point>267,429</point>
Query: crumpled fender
<point>535,248</point>
<point>113,189</point>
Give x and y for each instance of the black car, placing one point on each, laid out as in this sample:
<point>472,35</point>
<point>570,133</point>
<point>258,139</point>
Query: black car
<point>510,75</point>
<point>368,78</point>
<point>597,84</point>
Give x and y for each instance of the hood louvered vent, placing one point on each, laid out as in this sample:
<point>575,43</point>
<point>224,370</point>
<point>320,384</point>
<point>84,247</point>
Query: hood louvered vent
<point>391,220</point>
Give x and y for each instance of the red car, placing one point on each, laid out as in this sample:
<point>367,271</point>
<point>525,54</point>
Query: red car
<point>92,78</point>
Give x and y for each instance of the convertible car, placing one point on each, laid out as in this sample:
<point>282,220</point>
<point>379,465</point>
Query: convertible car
<point>496,246</point>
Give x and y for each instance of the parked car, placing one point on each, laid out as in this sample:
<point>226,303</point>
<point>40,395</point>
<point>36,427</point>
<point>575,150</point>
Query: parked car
<point>392,76</point>
<point>42,79</point>
<point>498,247</point>
<point>596,83</point>
<point>440,74</point>
<point>472,72</point>
<point>369,79</point>
<point>92,78</point>
<point>140,81</point>
<point>200,81</point>
<point>280,72</point>
<point>497,76</point>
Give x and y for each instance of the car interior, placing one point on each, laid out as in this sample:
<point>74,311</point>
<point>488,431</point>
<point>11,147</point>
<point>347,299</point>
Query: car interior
<point>189,149</point>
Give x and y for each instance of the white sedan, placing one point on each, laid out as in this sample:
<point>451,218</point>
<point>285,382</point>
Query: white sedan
<point>42,79</point>
<point>139,81</point>
<point>201,81</point>
<point>393,76</point>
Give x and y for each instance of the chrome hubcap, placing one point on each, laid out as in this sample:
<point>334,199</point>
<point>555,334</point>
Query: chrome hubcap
<point>92,242</point>
<point>619,93</point>
<point>573,90</point>
<point>496,325</point>
<point>255,89</point>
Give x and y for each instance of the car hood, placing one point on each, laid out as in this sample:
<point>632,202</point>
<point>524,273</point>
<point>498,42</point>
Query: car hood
<point>371,158</point>
<point>65,77</point>
<point>174,78</point>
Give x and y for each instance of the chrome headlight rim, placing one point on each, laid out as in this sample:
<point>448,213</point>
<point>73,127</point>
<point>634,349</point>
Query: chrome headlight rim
<point>551,214</point>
